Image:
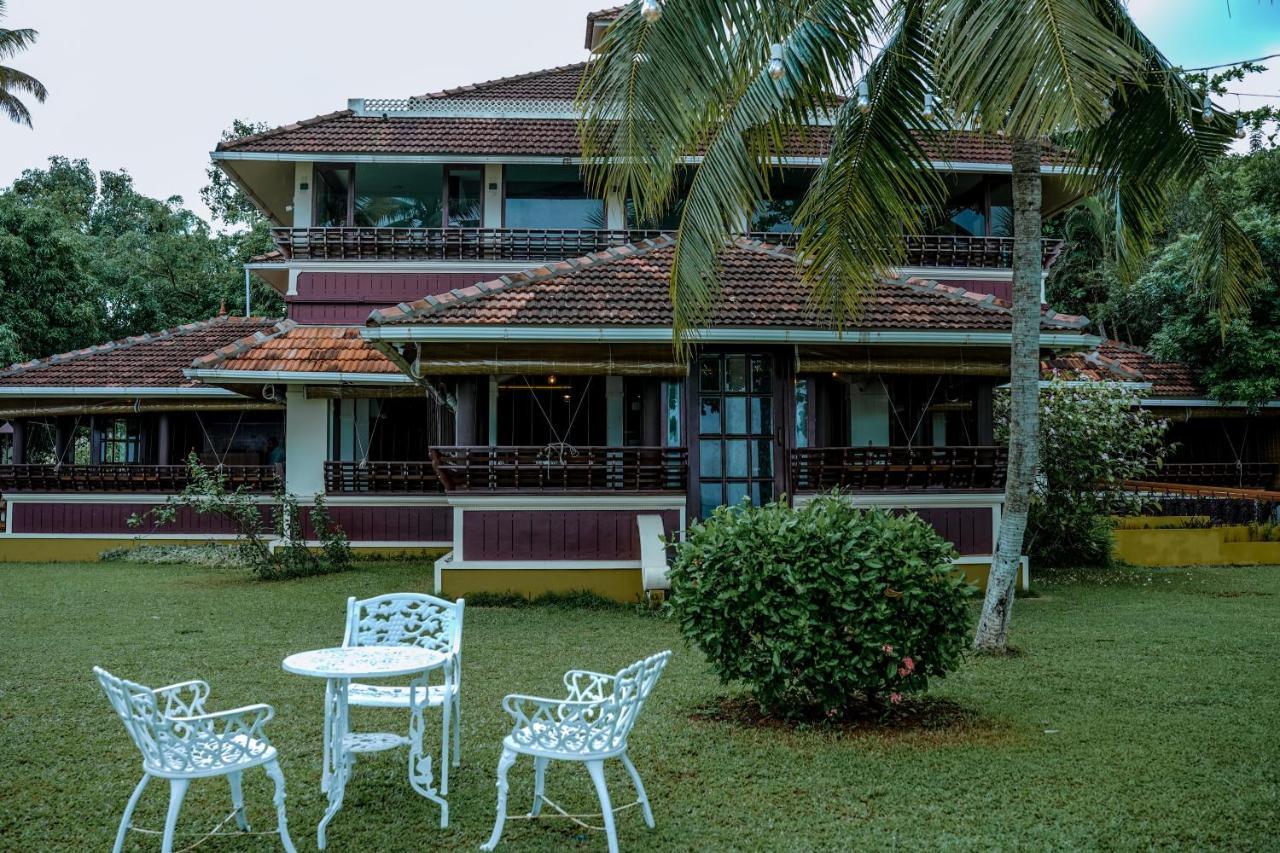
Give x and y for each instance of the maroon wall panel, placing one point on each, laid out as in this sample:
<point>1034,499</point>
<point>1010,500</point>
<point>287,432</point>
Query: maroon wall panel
<point>968,528</point>
<point>348,297</point>
<point>390,523</point>
<point>573,534</point>
<point>108,518</point>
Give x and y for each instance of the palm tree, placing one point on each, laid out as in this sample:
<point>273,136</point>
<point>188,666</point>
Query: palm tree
<point>13,42</point>
<point>737,80</point>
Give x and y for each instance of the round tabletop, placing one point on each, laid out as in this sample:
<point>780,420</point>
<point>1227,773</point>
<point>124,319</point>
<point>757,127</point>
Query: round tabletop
<point>363,661</point>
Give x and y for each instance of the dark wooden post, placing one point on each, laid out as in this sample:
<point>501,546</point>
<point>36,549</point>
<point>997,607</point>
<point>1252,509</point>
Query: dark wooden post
<point>651,411</point>
<point>986,414</point>
<point>95,441</point>
<point>163,439</point>
<point>63,437</point>
<point>19,443</point>
<point>464,412</point>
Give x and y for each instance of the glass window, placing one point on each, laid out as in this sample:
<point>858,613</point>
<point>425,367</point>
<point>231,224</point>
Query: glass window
<point>332,193</point>
<point>550,197</point>
<point>776,214</point>
<point>672,395</point>
<point>464,200</point>
<point>399,195</point>
<point>802,413</point>
<point>669,220</point>
<point>122,440</point>
<point>1001,216</point>
<point>966,211</point>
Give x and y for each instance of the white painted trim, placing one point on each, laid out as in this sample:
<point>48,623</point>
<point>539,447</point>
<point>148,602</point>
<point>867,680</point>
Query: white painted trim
<point>567,160</point>
<point>105,497</point>
<point>909,500</point>
<point>1161,402</point>
<point>563,502</point>
<point>112,391</point>
<point>361,499</point>
<point>296,266</point>
<point>458,514</point>
<point>308,377</point>
<point>128,537</point>
<point>378,543</point>
<point>653,334</point>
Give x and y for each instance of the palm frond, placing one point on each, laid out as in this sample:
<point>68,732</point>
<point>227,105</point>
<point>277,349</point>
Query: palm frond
<point>13,42</point>
<point>13,80</point>
<point>877,183</point>
<point>14,109</point>
<point>1031,67</point>
<point>1159,142</point>
<point>735,115</point>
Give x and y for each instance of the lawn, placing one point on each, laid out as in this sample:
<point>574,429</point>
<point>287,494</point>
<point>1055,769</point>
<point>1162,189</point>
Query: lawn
<point>1142,710</point>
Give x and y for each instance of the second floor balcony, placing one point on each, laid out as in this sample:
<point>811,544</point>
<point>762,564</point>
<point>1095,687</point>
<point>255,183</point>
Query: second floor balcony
<point>357,243</point>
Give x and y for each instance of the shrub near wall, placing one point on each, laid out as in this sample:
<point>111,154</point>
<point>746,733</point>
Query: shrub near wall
<point>821,608</point>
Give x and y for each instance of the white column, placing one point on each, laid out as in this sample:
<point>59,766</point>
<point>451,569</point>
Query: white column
<point>306,442</point>
<point>302,177</point>
<point>492,195</point>
<point>615,213</point>
<point>614,402</point>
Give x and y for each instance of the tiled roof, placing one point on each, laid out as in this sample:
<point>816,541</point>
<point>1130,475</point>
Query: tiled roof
<point>299,349</point>
<point>549,84</point>
<point>1118,361</point>
<point>154,360</point>
<point>628,286</point>
<point>600,16</point>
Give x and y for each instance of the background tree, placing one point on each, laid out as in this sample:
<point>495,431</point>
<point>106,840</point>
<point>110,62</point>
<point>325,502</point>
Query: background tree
<point>13,42</point>
<point>736,79</point>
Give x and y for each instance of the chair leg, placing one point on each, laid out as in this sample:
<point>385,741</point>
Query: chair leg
<point>445,708</point>
<point>539,783</point>
<point>128,812</point>
<point>644,798</point>
<point>282,822</point>
<point>177,790</point>
<point>457,730</point>
<point>504,764</point>
<point>237,800</point>
<point>596,769</point>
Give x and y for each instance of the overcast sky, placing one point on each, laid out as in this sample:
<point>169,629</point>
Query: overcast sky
<point>148,85</point>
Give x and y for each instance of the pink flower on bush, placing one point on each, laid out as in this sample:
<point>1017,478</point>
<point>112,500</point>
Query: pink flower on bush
<point>887,649</point>
<point>895,697</point>
<point>908,664</point>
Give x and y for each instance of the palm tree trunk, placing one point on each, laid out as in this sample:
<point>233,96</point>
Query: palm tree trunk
<point>1024,398</point>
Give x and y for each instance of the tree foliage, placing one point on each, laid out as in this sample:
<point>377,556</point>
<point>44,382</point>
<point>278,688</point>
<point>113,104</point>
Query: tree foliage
<point>1094,437</point>
<point>85,257</point>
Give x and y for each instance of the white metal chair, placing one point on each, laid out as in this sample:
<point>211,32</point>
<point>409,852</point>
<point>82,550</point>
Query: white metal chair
<point>180,742</point>
<point>590,725</point>
<point>414,619</point>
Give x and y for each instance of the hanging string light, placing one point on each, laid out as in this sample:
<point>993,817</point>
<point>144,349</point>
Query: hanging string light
<point>930,107</point>
<point>776,69</point>
<point>1206,111</point>
<point>1240,129</point>
<point>650,10</point>
<point>1108,110</point>
<point>864,96</point>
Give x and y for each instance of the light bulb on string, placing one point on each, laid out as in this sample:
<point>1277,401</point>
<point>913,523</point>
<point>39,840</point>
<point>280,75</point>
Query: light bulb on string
<point>864,96</point>
<point>1206,111</point>
<point>1241,133</point>
<point>776,69</point>
<point>1107,109</point>
<point>650,10</point>
<point>930,107</point>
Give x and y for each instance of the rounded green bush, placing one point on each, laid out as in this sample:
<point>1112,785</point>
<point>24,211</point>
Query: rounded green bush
<point>822,607</point>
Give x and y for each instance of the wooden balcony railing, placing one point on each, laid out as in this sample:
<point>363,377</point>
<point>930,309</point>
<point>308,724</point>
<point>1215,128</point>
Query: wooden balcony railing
<point>561,469</point>
<point>815,469</point>
<point>381,478</point>
<point>1244,475</point>
<point>553,244</point>
<point>164,479</point>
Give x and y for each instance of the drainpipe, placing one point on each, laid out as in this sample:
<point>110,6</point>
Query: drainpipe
<point>248,310</point>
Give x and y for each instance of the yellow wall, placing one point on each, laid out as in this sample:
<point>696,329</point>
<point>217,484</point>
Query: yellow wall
<point>54,549</point>
<point>619,584</point>
<point>1209,546</point>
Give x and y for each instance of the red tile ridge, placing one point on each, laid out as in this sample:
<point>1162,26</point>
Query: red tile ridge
<point>232,144</point>
<point>471,88</point>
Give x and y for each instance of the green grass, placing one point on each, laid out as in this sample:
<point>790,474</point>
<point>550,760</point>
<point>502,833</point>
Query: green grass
<point>1142,710</point>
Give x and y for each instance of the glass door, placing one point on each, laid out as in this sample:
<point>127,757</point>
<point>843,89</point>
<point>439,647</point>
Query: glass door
<point>736,447</point>
<point>464,197</point>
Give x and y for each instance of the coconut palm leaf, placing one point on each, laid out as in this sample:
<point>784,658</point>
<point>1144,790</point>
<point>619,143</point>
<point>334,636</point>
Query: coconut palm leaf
<point>13,42</point>
<point>877,183</point>
<point>1031,67</point>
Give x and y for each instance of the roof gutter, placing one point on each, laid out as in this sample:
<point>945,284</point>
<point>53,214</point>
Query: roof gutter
<point>110,391</point>
<point>285,376</point>
<point>562,334</point>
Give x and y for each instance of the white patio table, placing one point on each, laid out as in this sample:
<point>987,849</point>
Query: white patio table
<point>339,666</point>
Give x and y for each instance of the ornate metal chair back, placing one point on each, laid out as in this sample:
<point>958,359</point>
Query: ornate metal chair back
<point>631,687</point>
<point>135,705</point>
<point>402,618</point>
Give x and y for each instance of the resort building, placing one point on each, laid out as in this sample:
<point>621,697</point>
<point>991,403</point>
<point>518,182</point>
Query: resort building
<point>476,360</point>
